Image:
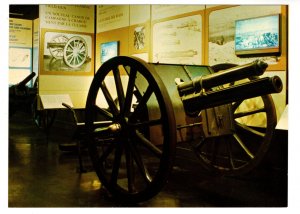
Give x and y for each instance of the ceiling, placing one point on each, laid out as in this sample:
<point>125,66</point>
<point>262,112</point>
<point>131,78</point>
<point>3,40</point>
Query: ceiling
<point>28,11</point>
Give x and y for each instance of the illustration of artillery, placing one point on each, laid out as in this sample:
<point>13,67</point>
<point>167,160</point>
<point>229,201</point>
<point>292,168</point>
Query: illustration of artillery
<point>73,51</point>
<point>144,115</point>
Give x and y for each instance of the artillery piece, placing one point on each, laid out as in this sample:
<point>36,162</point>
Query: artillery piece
<point>144,113</point>
<point>21,96</point>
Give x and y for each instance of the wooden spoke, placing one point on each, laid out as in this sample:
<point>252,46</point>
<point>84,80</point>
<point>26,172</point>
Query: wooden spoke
<point>144,141</point>
<point>141,166</point>
<point>103,112</point>
<point>142,102</point>
<point>247,113</point>
<point>246,150</point>
<point>129,168</point>
<point>250,130</point>
<point>119,87</point>
<point>129,92</point>
<point>116,165</point>
<point>109,99</point>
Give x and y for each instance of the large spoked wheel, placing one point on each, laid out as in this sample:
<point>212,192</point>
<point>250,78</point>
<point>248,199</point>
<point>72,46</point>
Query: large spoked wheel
<point>57,50</point>
<point>132,147</point>
<point>75,52</point>
<point>241,150</point>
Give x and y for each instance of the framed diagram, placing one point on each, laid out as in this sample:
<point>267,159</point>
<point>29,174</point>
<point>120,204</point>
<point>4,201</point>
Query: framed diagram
<point>174,41</point>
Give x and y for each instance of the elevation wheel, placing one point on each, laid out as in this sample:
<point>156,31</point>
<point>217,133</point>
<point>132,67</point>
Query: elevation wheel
<point>132,148</point>
<point>242,149</point>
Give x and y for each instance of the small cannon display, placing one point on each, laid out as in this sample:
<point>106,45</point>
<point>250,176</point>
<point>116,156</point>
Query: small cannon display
<point>73,51</point>
<point>21,96</point>
<point>144,114</point>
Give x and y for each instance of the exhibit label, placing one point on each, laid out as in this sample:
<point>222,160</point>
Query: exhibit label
<point>79,18</point>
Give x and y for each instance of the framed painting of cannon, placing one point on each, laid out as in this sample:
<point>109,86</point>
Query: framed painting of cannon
<point>67,53</point>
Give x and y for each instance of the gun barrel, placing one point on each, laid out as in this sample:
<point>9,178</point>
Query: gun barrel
<point>255,68</point>
<point>255,88</point>
<point>26,80</point>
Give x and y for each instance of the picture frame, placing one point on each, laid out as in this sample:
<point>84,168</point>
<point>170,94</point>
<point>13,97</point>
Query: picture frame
<point>109,50</point>
<point>258,36</point>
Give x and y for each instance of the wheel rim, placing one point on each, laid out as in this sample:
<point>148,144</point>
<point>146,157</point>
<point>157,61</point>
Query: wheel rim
<point>133,149</point>
<point>243,149</point>
<point>75,52</point>
<point>58,52</point>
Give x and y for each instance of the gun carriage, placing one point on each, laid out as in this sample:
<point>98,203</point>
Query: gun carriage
<point>144,114</point>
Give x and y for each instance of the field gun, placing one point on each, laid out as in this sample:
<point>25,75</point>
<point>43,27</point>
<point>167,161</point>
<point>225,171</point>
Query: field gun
<point>145,116</point>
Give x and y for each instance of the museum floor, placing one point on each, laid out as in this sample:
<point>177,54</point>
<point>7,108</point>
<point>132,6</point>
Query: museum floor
<point>40,175</point>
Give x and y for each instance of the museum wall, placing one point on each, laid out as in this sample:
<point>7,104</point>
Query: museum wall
<point>186,34</point>
<point>177,34</point>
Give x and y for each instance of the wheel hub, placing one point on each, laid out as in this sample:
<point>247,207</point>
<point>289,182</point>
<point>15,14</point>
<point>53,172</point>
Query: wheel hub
<point>75,51</point>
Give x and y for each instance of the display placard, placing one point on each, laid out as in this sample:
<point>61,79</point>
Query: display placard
<point>54,101</point>
<point>78,18</point>
<point>111,17</point>
<point>20,50</point>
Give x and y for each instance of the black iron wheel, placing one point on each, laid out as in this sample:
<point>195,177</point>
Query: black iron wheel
<point>132,147</point>
<point>241,150</point>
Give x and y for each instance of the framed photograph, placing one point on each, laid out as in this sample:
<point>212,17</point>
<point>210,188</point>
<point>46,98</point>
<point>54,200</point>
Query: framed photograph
<point>109,50</point>
<point>67,53</point>
<point>258,36</point>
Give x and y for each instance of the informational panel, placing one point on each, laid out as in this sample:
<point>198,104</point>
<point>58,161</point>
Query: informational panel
<point>178,41</point>
<point>20,50</point>
<point>161,11</point>
<point>78,18</point>
<point>110,17</point>
<point>36,45</point>
<point>66,47</point>
<point>139,14</point>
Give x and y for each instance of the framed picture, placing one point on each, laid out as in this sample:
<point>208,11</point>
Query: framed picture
<point>66,53</point>
<point>109,50</point>
<point>258,36</point>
